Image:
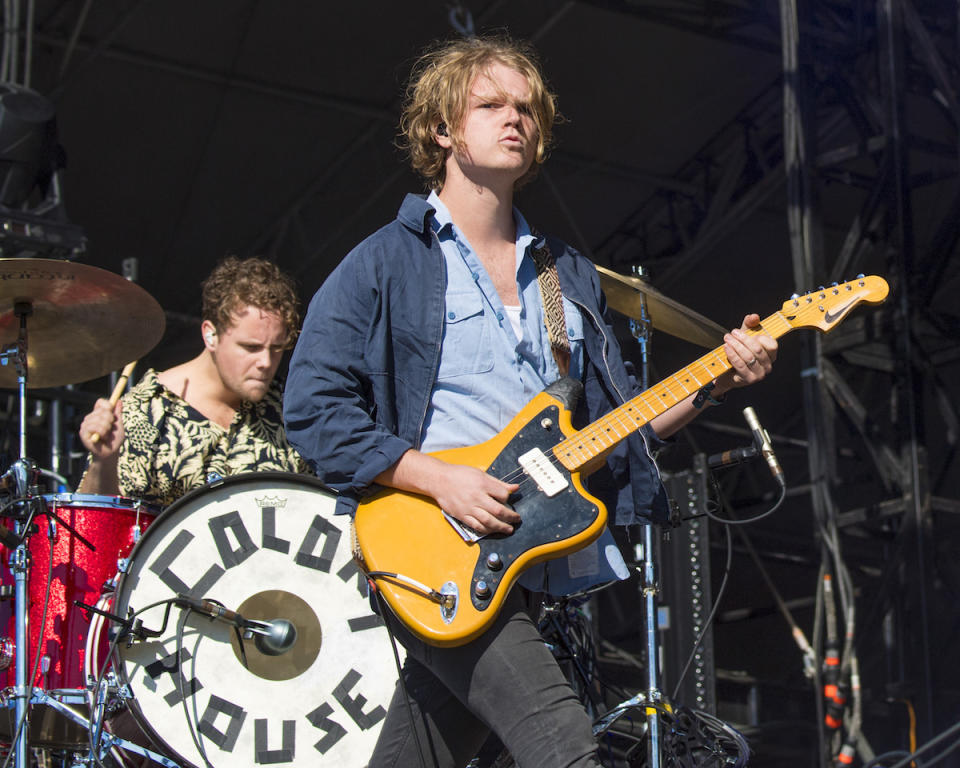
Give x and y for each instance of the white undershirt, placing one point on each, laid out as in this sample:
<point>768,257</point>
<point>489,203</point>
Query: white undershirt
<point>514,314</point>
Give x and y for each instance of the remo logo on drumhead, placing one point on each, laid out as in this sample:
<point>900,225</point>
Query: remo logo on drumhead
<point>314,689</point>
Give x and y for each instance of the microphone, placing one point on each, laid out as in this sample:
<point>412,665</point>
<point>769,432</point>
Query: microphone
<point>762,441</point>
<point>731,456</point>
<point>273,638</point>
<point>213,610</point>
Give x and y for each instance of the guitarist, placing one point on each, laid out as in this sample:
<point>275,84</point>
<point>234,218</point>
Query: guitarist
<point>431,334</point>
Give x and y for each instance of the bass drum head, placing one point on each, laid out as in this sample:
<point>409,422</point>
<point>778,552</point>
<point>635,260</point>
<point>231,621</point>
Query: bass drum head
<point>266,546</point>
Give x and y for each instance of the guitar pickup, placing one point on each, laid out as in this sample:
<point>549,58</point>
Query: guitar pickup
<point>547,477</point>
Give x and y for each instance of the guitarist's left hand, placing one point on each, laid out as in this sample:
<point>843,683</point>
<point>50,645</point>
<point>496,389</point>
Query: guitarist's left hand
<point>752,356</point>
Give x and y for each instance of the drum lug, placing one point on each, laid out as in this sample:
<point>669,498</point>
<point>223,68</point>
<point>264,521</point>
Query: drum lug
<point>122,564</point>
<point>7,652</point>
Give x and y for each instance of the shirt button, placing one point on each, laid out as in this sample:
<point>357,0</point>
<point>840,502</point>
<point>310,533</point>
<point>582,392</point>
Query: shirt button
<point>475,276</point>
<point>519,358</point>
<point>452,315</point>
<point>500,316</point>
<point>570,332</point>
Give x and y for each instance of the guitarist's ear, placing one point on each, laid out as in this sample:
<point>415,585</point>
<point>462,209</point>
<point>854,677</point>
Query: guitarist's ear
<point>442,136</point>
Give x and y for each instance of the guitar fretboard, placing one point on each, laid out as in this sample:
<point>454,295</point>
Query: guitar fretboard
<point>600,436</point>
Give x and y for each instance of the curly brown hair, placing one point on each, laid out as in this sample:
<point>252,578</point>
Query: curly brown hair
<point>236,283</point>
<point>438,90</point>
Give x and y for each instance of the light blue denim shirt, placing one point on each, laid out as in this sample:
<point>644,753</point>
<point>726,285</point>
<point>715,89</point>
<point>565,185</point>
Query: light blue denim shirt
<point>487,374</point>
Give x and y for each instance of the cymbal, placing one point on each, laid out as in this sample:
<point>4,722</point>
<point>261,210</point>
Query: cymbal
<point>84,321</point>
<point>626,295</point>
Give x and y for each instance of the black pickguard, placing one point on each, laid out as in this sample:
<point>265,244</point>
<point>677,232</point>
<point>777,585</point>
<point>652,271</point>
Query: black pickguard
<point>544,520</point>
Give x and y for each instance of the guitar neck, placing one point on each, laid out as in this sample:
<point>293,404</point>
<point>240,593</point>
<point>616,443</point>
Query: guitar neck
<point>592,441</point>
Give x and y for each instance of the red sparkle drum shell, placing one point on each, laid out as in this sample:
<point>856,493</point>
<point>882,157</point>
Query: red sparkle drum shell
<point>267,546</point>
<point>112,524</point>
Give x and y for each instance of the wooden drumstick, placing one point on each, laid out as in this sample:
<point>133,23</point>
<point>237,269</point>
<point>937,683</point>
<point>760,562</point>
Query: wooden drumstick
<point>116,394</point>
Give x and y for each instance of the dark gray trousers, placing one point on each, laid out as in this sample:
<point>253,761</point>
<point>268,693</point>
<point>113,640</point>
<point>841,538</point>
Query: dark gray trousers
<point>506,681</point>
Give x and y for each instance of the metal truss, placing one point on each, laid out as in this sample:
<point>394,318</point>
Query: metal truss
<point>866,112</point>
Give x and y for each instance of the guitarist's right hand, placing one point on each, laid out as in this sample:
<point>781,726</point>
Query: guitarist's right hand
<point>468,494</point>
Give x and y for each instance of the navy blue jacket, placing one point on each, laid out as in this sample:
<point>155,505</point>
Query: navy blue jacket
<point>362,372</point>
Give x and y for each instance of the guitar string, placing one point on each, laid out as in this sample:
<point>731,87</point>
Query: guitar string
<point>580,444</point>
<point>622,418</point>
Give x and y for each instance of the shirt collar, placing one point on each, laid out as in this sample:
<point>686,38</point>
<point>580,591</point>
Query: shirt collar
<point>442,219</point>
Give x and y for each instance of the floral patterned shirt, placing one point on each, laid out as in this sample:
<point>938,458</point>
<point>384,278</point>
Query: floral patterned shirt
<point>170,448</point>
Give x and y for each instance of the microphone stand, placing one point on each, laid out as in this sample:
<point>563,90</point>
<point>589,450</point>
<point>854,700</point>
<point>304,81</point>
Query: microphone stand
<point>654,694</point>
<point>641,330</point>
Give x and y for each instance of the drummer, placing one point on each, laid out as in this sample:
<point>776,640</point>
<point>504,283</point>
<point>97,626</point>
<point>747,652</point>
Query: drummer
<point>217,414</point>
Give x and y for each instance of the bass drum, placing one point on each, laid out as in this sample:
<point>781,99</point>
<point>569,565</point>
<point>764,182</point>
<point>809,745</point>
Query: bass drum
<point>268,547</point>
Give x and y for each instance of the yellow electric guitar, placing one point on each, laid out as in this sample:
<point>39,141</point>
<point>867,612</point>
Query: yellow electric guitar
<point>447,586</point>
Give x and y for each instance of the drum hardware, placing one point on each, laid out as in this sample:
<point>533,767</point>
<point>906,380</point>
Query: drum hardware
<point>129,629</point>
<point>272,637</point>
<point>71,308</point>
<point>104,741</point>
<point>30,528</point>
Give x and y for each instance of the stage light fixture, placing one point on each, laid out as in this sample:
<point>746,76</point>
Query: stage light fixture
<point>33,221</point>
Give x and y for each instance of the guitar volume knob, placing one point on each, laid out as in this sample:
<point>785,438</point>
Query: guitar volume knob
<point>482,590</point>
<point>494,561</point>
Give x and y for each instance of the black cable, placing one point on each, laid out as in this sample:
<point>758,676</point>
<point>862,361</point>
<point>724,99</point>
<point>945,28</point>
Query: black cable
<point>876,762</point>
<point>111,651</point>
<point>938,757</point>
<point>570,638</point>
<point>98,714</point>
<point>383,611</point>
<point>755,518</point>
<point>713,612</point>
<point>952,730</point>
<point>16,500</point>
<point>178,649</point>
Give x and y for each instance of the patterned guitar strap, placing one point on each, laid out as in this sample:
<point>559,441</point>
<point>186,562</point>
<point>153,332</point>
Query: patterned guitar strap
<point>552,299</point>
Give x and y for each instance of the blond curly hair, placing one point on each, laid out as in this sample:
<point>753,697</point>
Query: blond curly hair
<point>439,88</point>
<point>237,283</point>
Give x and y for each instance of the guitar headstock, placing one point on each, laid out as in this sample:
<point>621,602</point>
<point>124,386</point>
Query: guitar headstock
<point>826,307</point>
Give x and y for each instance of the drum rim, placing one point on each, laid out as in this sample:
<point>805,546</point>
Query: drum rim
<point>239,480</point>
<point>247,477</point>
<point>94,500</point>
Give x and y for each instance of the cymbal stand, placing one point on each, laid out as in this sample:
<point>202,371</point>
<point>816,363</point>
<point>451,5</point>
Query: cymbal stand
<point>23,472</point>
<point>640,330</point>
